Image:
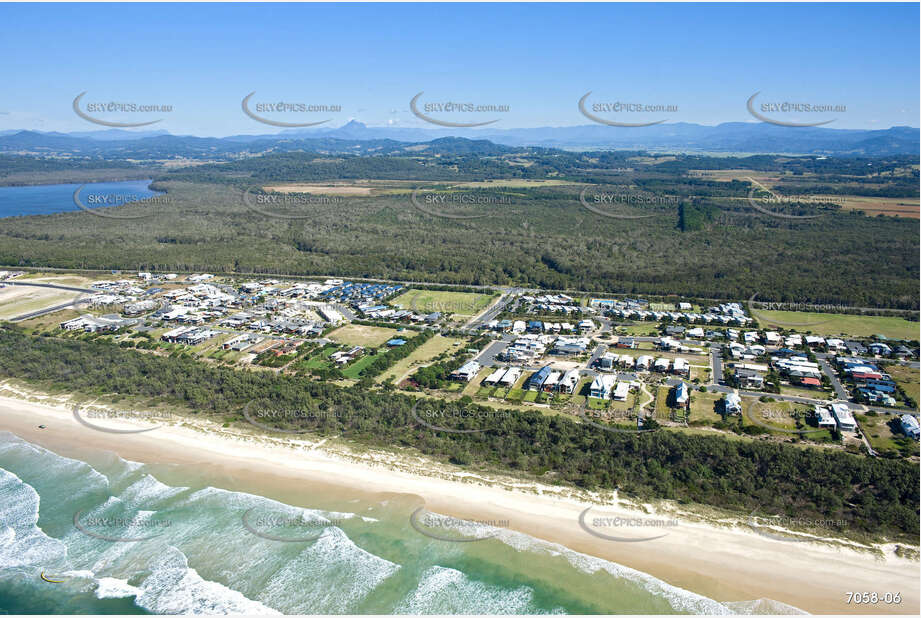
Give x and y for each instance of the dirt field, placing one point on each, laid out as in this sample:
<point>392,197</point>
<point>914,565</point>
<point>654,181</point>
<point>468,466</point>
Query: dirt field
<point>17,300</point>
<point>367,336</point>
<point>320,189</point>
<point>907,207</point>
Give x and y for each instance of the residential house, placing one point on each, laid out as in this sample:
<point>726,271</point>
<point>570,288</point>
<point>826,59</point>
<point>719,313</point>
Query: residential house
<point>910,426</point>
<point>844,417</point>
<point>732,404</point>
<point>602,385</point>
<point>536,381</point>
<point>466,372</point>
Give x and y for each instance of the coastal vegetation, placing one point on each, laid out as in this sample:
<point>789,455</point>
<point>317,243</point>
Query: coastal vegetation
<point>869,496</point>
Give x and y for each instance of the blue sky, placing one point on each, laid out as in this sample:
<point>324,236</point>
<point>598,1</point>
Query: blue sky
<point>371,59</point>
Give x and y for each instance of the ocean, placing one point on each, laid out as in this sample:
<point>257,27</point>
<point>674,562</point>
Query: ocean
<point>120,537</point>
<point>50,199</point>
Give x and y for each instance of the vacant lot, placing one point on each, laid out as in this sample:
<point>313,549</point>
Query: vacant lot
<point>907,378</point>
<point>18,300</point>
<point>839,324</point>
<point>422,355</point>
<point>367,336</point>
<point>885,434</point>
<point>459,303</point>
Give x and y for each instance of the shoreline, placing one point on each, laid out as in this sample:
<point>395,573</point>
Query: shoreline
<point>726,563</point>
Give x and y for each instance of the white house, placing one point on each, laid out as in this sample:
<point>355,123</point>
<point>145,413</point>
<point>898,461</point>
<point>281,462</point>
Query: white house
<point>732,404</point>
<point>466,372</point>
<point>680,367</point>
<point>569,381</point>
<point>621,392</point>
<point>824,418</point>
<point>844,417</point>
<point>602,385</point>
<point>910,426</point>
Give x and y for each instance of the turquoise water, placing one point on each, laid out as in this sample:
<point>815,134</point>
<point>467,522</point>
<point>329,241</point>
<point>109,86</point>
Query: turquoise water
<point>124,537</point>
<point>49,199</point>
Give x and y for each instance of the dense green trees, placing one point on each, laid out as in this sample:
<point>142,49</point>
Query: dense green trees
<point>871,495</point>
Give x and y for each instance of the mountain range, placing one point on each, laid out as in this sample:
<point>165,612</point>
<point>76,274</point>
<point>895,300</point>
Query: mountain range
<point>733,137</point>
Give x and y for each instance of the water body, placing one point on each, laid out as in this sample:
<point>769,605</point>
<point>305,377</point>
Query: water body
<point>122,537</point>
<point>50,199</point>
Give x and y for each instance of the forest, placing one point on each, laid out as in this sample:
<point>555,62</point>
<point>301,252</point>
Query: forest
<point>698,236</point>
<point>877,497</point>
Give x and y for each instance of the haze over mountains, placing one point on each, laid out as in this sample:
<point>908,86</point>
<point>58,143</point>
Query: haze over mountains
<point>734,137</point>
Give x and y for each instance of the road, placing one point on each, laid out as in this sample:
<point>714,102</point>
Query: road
<point>840,391</point>
<point>35,314</point>
<point>716,364</point>
<point>52,309</point>
<point>487,357</point>
<point>493,310</point>
<point>598,353</point>
<point>71,288</point>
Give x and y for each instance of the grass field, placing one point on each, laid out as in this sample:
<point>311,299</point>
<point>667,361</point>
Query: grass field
<point>367,336</point>
<point>907,378</point>
<point>839,324</point>
<point>703,407</point>
<point>355,368</point>
<point>879,431</point>
<point>906,207</point>
<point>464,304</point>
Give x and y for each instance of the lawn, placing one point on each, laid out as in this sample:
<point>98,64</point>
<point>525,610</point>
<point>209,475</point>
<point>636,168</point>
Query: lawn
<point>907,378</point>
<point>777,416</point>
<point>703,407</point>
<point>839,324</point>
<point>811,393</point>
<point>879,431</point>
<point>366,336</point>
<point>465,304</point>
<point>355,368</point>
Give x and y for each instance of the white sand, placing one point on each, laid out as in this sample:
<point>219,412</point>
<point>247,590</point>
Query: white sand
<point>728,563</point>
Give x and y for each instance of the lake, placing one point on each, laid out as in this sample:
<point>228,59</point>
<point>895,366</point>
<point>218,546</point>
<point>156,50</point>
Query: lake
<point>50,199</point>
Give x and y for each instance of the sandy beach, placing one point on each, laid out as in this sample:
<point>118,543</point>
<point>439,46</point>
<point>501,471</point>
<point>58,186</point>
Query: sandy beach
<point>726,563</point>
